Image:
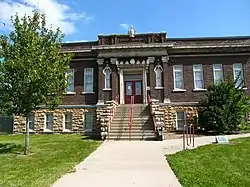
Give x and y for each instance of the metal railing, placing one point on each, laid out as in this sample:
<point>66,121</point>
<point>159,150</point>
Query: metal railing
<point>188,136</point>
<point>131,117</point>
<point>112,113</point>
<point>151,114</point>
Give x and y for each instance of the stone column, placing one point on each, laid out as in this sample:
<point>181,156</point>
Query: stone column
<point>144,84</point>
<point>152,77</point>
<point>121,87</point>
<point>165,60</point>
<point>101,79</point>
<point>114,78</point>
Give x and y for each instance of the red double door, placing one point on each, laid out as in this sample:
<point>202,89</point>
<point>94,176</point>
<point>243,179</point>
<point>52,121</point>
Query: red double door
<point>133,88</point>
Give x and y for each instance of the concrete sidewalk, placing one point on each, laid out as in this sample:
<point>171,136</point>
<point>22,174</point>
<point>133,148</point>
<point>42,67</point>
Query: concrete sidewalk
<point>123,164</point>
<point>176,145</point>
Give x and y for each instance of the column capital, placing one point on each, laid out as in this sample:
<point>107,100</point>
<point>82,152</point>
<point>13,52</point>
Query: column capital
<point>100,61</point>
<point>113,60</point>
<point>165,59</point>
<point>151,59</point>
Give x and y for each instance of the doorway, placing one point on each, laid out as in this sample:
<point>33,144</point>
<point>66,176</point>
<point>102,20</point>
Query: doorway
<point>133,88</point>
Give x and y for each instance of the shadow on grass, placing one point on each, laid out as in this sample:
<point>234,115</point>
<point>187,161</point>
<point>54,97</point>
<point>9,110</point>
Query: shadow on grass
<point>91,137</point>
<point>11,148</point>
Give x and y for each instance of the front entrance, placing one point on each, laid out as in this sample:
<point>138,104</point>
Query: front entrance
<point>133,88</point>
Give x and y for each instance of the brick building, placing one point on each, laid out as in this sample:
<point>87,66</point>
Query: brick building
<point>172,72</point>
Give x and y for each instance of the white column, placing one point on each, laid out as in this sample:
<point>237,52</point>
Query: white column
<point>121,87</point>
<point>144,75</point>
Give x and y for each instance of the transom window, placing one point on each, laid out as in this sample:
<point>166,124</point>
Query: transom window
<point>178,77</point>
<point>158,75</point>
<point>218,73</point>
<point>107,72</point>
<point>88,80</point>
<point>238,75</point>
<point>198,76</point>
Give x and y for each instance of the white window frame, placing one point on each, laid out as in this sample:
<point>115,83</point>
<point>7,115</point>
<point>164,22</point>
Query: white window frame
<point>216,69</point>
<point>45,122</point>
<point>242,73</point>
<point>64,122</point>
<point>202,76</point>
<point>178,70</point>
<point>84,120</point>
<point>87,73</point>
<point>29,121</point>
<point>70,71</point>
<point>158,72</point>
<point>176,120</point>
<point>105,71</point>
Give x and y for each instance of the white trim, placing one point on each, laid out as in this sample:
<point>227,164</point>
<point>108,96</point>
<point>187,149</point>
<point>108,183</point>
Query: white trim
<point>176,120</point>
<point>200,90</point>
<point>70,93</point>
<point>221,69</point>
<point>106,89</point>
<point>174,66</point>
<point>179,90</point>
<point>202,76</point>
<point>88,93</point>
<point>92,74</point>
<point>159,88</point>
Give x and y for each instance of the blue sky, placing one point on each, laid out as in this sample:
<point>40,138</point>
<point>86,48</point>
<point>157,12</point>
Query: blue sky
<point>85,19</point>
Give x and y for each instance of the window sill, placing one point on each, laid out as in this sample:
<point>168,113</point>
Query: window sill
<point>159,88</point>
<point>179,90</point>
<point>47,130</point>
<point>107,89</point>
<point>70,93</point>
<point>245,88</point>
<point>88,92</point>
<point>200,90</point>
<point>67,130</point>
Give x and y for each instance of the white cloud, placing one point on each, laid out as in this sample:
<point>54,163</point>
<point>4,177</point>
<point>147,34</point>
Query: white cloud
<point>125,26</point>
<point>57,14</point>
<point>76,41</point>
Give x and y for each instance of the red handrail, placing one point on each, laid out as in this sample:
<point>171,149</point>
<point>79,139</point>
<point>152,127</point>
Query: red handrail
<point>131,117</point>
<point>188,133</point>
<point>151,113</point>
<point>112,114</point>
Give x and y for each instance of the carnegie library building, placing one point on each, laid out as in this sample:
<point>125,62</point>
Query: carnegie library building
<point>131,85</point>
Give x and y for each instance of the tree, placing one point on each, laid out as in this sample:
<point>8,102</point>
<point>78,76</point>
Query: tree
<point>223,108</point>
<point>32,71</point>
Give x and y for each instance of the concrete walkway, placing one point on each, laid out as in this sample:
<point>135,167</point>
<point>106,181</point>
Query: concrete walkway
<point>123,164</point>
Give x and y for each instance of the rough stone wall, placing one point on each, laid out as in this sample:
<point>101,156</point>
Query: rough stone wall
<point>77,120</point>
<point>170,116</point>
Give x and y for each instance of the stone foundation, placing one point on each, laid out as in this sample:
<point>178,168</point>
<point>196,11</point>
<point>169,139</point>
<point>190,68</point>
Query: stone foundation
<point>39,125</point>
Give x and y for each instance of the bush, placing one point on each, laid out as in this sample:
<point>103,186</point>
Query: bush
<point>223,109</point>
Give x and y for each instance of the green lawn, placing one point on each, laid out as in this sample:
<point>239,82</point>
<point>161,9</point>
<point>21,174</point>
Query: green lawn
<point>214,165</point>
<point>51,156</point>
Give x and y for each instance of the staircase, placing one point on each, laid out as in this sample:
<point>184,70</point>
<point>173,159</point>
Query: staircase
<point>142,125</point>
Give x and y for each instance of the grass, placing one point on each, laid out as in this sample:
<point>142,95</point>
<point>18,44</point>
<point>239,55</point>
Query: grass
<point>50,157</point>
<point>214,165</point>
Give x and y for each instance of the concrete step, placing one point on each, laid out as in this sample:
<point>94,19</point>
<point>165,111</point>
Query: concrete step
<point>133,138</point>
<point>117,119</point>
<point>142,127</point>
<point>136,125</point>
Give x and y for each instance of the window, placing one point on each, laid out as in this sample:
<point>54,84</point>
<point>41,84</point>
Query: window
<point>158,75</point>
<point>218,73</point>
<point>49,122</point>
<point>70,81</point>
<point>31,121</point>
<point>107,72</point>
<point>88,121</point>
<point>180,120</point>
<point>68,121</point>
<point>88,80</point>
<point>238,75</point>
<point>198,76</point>
<point>178,77</point>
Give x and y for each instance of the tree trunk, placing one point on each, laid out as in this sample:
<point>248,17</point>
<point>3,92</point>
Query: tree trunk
<point>27,137</point>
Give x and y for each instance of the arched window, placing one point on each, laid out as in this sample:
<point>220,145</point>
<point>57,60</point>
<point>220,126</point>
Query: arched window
<point>158,75</point>
<point>107,72</point>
